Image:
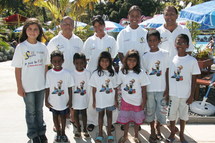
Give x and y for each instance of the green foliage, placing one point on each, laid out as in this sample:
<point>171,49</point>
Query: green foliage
<point>202,54</point>
<point>84,33</point>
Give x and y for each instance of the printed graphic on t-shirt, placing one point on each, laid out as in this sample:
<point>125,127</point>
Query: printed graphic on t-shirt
<point>81,89</point>
<point>32,62</point>
<point>58,90</point>
<point>164,39</point>
<point>177,74</point>
<point>156,70</point>
<point>129,87</point>
<point>29,54</point>
<point>108,49</point>
<point>59,47</point>
<point>142,40</point>
<point>105,88</point>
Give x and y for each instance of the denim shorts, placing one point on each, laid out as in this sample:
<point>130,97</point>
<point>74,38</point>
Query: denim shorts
<point>60,112</point>
<point>110,108</point>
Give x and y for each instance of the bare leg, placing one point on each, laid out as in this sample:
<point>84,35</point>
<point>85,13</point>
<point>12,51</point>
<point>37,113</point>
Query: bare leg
<point>109,122</point>
<point>77,122</point>
<point>136,130</point>
<point>182,127</point>
<point>63,124</point>
<point>101,117</point>
<point>152,125</point>
<point>57,125</point>
<point>125,136</point>
<point>172,129</point>
<point>84,118</point>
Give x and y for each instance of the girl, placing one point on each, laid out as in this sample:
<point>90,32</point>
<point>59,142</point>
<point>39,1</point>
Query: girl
<point>133,36</point>
<point>30,62</point>
<point>58,99</point>
<point>156,66</point>
<point>103,83</point>
<point>80,97</point>
<point>133,83</point>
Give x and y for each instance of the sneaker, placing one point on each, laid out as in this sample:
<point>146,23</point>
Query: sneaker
<point>35,140</point>
<point>43,139</point>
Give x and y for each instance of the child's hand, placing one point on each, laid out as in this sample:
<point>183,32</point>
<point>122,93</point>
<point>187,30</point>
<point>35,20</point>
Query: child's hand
<point>48,105</point>
<point>116,104</point>
<point>189,100</point>
<point>142,106</point>
<point>21,91</point>
<point>69,104</point>
<point>94,105</point>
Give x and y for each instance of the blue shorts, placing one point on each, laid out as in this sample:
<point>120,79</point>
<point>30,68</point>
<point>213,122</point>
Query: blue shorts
<point>111,108</point>
<point>60,112</point>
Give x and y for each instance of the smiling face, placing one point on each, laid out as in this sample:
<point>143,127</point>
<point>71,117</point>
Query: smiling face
<point>99,28</point>
<point>134,18</point>
<point>67,26</point>
<point>170,16</point>
<point>57,62</point>
<point>153,43</point>
<point>32,32</point>
<point>79,64</point>
<point>181,45</point>
<point>104,63</point>
<point>131,62</point>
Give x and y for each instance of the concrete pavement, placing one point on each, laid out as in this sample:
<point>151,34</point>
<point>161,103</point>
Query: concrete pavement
<point>13,126</point>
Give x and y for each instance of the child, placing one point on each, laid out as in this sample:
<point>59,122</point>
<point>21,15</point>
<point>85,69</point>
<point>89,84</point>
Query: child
<point>133,85</point>
<point>182,78</point>
<point>103,83</point>
<point>58,99</point>
<point>80,98</point>
<point>133,36</point>
<point>30,62</point>
<point>155,64</point>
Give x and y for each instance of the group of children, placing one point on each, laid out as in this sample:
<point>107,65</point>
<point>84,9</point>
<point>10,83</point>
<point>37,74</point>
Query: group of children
<point>147,82</point>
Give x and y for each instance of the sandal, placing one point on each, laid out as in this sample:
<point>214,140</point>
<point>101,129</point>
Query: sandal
<point>112,128</point>
<point>57,138</point>
<point>110,139</point>
<point>90,127</point>
<point>99,139</point>
<point>136,140</point>
<point>159,137</point>
<point>77,134</point>
<point>152,139</point>
<point>64,138</point>
<point>170,140</point>
<point>122,139</point>
<point>86,135</point>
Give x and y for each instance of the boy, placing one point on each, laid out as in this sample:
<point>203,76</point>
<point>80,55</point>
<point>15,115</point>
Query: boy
<point>182,78</point>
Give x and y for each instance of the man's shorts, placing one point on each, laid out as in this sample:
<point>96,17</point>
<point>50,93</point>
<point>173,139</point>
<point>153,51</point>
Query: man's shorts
<point>111,108</point>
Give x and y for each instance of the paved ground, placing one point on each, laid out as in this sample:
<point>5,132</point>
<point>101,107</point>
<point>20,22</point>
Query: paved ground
<point>13,126</point>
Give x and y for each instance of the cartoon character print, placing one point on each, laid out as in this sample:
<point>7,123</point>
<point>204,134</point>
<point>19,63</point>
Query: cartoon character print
<point>28,54</point>
<point>81,90</point>
<point>105,88</point>
<point>58,90</point>
<point>177,73</point>
<point>157,70</point>
<point>129,87</point>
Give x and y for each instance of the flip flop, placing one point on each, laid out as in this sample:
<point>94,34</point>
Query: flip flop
<point>86,135</point>
<point>170,140</point>
<point>136,140</point>
<point>110,139</point>
<point>152,139</point>
<point>99,139</point>
<point>77,134</point>
<point>90,127</point>
<point>122,139</point>
<point>159,137</point>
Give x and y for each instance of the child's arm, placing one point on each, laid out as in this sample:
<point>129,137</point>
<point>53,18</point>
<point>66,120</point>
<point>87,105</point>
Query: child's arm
<point>69,104</point>
<point>193,85</point>
<point>48,105</point>
<point>116,97</point>
<point>94,97</point>
<point>166,92</point>
<point>18,74</point>
<point>144,96</point>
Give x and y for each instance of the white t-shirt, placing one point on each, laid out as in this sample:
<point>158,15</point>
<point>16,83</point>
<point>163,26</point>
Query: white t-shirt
<point>81,93</point>
<point>168,39</point>
<point>131,84</point>
<point>68,46</point>
<point>155,64</point>
<point>58,83</point>
<point>105,84</point>
<point>130,38</point>
<point>32,58</point>
<point>93,46</point>
<point>180,75</point>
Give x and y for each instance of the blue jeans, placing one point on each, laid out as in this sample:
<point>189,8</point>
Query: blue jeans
<point>34,113</point>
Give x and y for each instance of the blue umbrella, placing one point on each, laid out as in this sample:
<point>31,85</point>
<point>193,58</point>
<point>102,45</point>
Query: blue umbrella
<point>203,13</point>
<point>111,26</point>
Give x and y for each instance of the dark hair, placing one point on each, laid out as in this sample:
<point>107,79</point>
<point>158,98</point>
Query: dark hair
<point>99,19</point>
<point>131,54</point>
<point>79,56</point>
<point>135,8</point>
<point>153,33</point>
<point>28,22</point>
<point>105,55</point>
<point>183,36</point>
<point>57,53</point>
<point>67,17</point>
<point>165,9</point>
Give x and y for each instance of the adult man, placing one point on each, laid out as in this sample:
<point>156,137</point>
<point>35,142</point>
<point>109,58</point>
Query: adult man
<point>67,42</point>
<point>170,30</point>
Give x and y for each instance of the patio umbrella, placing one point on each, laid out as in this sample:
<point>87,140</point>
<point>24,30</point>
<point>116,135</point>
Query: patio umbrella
<point>79,24</point>
<point>113,26</point>
<point>15,19</point>
<point>203,13</point>
<point>159,20</point>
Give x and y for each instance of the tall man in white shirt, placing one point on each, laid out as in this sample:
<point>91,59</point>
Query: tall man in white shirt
<point>170,30</point>
<point>68,43</point>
